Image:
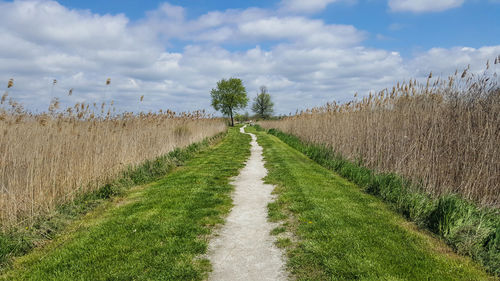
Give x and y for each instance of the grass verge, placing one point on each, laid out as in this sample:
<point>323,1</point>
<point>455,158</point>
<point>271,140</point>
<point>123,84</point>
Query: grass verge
<point>154,232</point>
<point>342,233</point>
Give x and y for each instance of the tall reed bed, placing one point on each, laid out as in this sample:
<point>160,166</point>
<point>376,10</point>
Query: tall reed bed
<point>50,158</point>
<point>444,134</point>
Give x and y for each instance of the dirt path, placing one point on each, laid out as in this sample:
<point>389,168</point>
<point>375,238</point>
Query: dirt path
<point>244,249</point>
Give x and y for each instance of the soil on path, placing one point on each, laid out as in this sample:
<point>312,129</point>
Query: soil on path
<point>244,248</point>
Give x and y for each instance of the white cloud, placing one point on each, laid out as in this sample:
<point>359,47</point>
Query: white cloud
<point>305,63</point>
<point>443,61</point>
<point>301,31</point>
<point>420,6</point>
<point>251,26</point>
<point>302,6</point>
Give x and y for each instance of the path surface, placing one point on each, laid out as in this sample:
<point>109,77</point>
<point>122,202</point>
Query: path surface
<point>244,248</point>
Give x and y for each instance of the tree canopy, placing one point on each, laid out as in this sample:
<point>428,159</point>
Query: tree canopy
<point>262,104</point>
<point>230,95</point>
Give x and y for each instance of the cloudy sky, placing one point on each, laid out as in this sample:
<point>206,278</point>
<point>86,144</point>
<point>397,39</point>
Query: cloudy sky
<point>307,52</point>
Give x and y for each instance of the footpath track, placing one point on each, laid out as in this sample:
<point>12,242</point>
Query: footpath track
<point>328,228</point>
<point>244,248</point>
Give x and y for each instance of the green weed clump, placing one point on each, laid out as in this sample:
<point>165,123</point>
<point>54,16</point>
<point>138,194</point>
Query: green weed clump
<point>469,229</point>
<point>17,242</point>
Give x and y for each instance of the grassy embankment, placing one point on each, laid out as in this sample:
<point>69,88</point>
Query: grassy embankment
<point>19,241</point>
<point>342,233</point>
<point>430,149</point>
<point>467,228</point>
<point>156,232</point>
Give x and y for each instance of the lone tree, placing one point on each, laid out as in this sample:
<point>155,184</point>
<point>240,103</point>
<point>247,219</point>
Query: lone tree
<point>262,104</point>
<point>230,95</point>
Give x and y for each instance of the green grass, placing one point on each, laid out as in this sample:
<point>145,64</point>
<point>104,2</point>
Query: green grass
<point>157,232</point>
<point>343,233</point>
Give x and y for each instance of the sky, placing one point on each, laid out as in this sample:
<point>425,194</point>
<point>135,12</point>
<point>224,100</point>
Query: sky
<point>306,53</point>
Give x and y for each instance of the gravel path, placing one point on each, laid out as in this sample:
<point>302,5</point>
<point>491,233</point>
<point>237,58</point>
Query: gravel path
<point>244,249</point>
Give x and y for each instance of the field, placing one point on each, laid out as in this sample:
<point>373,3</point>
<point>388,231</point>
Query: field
<point>444,135</point>
<point>399,185</point>
<point>342,233</point>
<point>275,140</point>
<point>51,158</point>
<point>328,227</point>
<point>429,150</point>
<point>155,231</point>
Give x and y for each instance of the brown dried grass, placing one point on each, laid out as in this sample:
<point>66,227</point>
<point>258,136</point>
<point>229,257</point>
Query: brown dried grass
<point>48,159</point>
<point>444,135</point>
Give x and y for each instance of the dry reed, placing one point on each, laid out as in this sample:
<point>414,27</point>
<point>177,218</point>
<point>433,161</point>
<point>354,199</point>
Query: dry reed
<point>48,159</point>
<point>443,135</point>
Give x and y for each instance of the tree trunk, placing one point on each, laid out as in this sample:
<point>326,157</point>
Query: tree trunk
<point>232,121</point>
